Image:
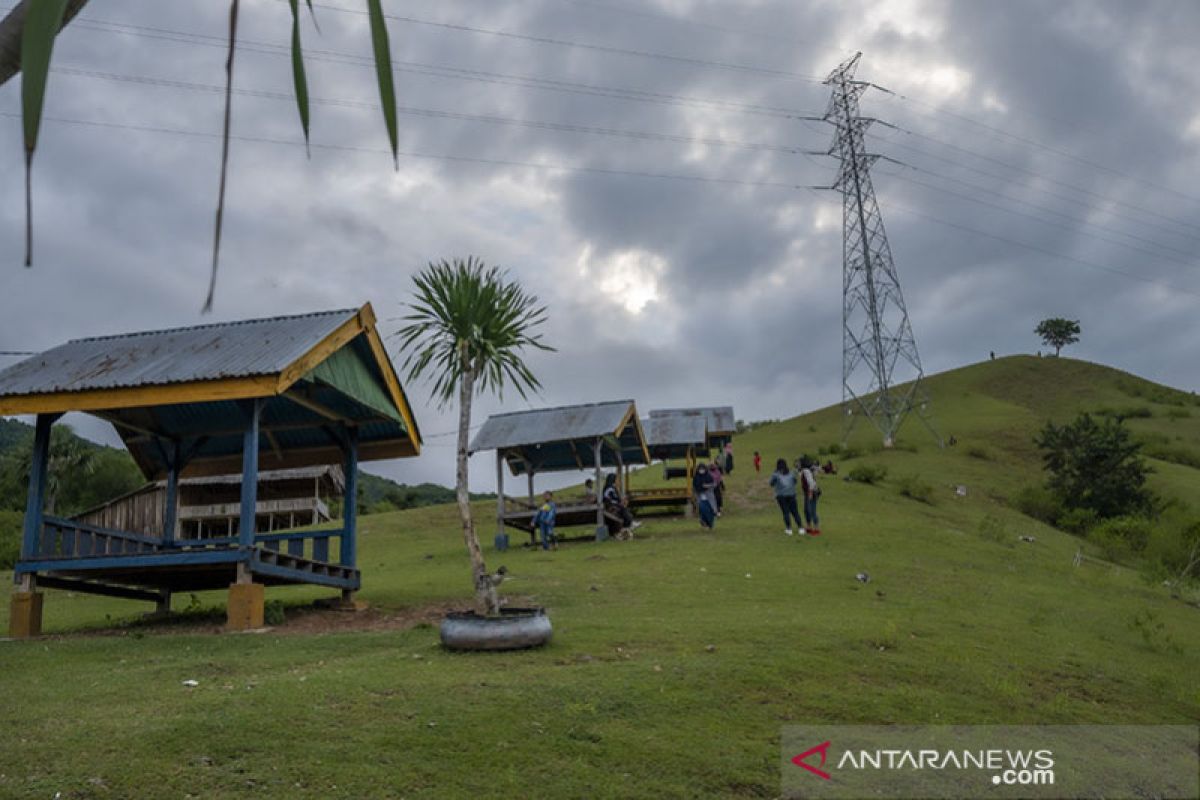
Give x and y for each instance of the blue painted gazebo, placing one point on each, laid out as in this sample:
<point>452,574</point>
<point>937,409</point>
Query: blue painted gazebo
<point>273,393</point>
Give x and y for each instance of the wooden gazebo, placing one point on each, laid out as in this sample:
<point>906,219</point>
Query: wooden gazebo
<point>582,437</point>
<point>679,438</point>
<point>208,400</point>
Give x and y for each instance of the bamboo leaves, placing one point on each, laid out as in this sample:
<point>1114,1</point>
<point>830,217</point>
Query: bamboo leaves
<point>42,23</point>
<point>383,71</point>
<point>299,79</point>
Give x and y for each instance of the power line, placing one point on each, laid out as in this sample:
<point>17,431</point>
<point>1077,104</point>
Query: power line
<point>1077,220</point>
<point>1048,148</point>
<point>417,154</point>
<point>1046,251</point>
<point>443,71</point>
<point>892,142</point>
<point>441,114</point>
<point>549,40</point>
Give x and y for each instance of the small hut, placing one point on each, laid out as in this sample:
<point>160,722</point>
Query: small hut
<point>673,437</point>
<point>210,508</point>
<point>286,392</point>
<point>567,438</point>
<point>718,420</point>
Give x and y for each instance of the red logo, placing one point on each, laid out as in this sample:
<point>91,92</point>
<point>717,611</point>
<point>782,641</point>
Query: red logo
<point>823,749</point>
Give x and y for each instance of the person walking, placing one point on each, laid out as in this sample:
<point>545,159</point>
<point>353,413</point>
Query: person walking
<point>543,521</point>
<point>718,489</point>
<point>728,465</point>
<point>757,462</point>
<point>812,492</point>
<point>706,504</point>
<point>783,481</point>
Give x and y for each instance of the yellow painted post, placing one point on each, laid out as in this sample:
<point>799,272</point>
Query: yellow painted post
<point>25,610</point>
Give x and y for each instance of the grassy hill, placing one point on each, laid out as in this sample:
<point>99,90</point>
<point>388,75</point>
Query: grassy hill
<point>677,657</point>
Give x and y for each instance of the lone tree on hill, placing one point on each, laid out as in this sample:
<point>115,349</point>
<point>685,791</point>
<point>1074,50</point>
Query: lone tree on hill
<point>466,327</point>
<point>1097,467</point>
<point>1058,332</point>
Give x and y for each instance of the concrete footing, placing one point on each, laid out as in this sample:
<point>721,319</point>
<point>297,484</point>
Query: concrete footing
<point>244,610</point>
<point>25,615</point>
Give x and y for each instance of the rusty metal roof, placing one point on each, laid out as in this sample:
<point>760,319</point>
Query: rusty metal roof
<point>562,438</point>
<point>154,358</point>
<point>719,419</point>
<point>677,430</point>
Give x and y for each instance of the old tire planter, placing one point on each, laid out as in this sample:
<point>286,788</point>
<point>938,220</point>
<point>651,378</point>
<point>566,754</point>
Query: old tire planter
<point>514,629</point>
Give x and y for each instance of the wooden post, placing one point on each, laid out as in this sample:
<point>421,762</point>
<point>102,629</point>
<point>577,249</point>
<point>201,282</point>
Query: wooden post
<point>599,488</point>
<point>349,549</point>
<point>624,485</point>
<point>35,500</point>
<point>247,522</point>
<point>499,493</point>
<point>171,511</point>
<point>529,472</point>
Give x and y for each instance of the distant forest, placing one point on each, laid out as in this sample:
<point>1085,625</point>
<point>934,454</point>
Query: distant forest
<point>84,474</point>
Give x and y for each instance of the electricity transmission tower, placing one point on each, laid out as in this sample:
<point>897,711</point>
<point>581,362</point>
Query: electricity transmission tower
<point>881,370</point>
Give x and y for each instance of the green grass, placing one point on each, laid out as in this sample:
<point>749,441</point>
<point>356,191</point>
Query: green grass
<point>961,623</point>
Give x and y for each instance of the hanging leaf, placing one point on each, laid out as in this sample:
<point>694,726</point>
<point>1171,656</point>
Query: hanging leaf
<point>42,22</point>
<point>212,281</point>
<point>299,79</point>
<point>383,71</point>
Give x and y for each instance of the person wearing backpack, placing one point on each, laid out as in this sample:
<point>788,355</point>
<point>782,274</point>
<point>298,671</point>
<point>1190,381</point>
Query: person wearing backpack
<point>784,483</point>
<point>812,492</point>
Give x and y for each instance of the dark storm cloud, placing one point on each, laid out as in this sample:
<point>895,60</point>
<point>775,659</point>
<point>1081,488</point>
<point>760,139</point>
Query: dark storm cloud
<point>667,291</point>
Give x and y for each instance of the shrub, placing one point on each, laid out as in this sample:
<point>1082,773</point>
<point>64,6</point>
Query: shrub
<point>1176,454</point>
<point>1121,538</point>
<point>1125,412</point>
<point>993,529</point>
<point>850,452</point>
<point>912,487</point>
<point>1077,520</point>
<point>834,449</point>
<point>11,524</point>
<point>867,473</point>
<point>1096,466</point>
<point>1178,413</point>
<point>1040,503</point>
<point>273,613</point>
<point>980,452</point>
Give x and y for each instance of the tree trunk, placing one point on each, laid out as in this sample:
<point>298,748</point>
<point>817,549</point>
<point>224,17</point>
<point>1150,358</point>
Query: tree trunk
<point>11,28</point>
<point>485,592</point>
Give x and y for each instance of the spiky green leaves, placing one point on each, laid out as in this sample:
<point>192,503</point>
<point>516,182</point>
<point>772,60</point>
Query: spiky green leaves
<point>299,79</point>
<point>42,23</point>
<point>467,318</point>
<point>383,71</point>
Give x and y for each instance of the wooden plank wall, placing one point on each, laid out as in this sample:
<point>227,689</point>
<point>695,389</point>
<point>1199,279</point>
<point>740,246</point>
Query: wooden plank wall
<point>139,513</point>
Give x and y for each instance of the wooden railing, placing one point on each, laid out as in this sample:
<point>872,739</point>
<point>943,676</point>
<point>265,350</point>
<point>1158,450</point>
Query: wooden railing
<point>63,538</point>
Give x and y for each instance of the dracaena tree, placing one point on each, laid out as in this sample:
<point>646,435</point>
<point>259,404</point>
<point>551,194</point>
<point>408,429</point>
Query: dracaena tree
<point>27,35</point>
<point>466,330</point>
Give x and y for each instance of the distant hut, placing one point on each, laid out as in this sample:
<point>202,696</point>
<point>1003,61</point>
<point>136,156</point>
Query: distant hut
<point>586,437</point>
<point>211,507</point>
<point>719,421</point>
<point>679,438</point>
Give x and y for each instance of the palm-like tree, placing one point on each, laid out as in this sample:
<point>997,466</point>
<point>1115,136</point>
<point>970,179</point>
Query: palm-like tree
<point>465,329</point>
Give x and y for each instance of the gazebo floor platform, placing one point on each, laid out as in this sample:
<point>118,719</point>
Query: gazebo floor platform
<point>141,576</point>
<point>648,498</point>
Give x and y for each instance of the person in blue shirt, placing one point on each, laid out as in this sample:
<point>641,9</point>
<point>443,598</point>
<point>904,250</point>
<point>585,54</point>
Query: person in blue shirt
<point>784,483</point>
<point>543,521</point>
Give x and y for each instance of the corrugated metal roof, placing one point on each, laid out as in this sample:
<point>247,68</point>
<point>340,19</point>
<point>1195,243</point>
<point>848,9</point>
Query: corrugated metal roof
<point>542,425</point>
<point>720,419</point>
<point>675,430</point>
<point>152,358</point>
<point>332,471</point>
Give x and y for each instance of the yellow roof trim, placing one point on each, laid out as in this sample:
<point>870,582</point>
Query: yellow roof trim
<point>139,396</point>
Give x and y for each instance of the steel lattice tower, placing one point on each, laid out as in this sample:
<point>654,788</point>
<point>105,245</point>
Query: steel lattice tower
<point>878,348</point>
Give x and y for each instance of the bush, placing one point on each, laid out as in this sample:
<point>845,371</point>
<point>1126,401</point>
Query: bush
<point>273,613</point>
<point>1121,538</point>
<point>980,452</point>
<point>993,529</point>
<point>1097,466</point>
<point>867,473</point>
<point>912,487</point>
<point>1126,412</point>
<point>11,524</point>
<point>1178,413</point>
<point>1173,551</point>
<point>1077,520</point>
<point>1040,503</point>
<point>1176,454</point>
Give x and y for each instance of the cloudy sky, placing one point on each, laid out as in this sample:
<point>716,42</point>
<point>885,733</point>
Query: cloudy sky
<point>642,168</point>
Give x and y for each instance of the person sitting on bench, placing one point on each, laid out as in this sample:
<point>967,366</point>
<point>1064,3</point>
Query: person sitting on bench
<point>616,505</point>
